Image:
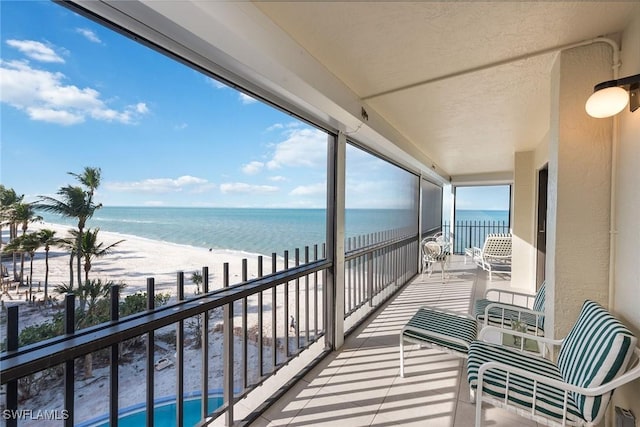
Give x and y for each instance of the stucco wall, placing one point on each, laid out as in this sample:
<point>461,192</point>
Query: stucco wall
<point>627,247</point>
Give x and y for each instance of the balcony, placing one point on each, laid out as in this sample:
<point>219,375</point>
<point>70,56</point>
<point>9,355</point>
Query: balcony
<point>360,384</point>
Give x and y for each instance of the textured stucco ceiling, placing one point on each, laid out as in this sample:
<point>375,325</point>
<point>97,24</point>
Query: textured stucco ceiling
<point>471,123</point>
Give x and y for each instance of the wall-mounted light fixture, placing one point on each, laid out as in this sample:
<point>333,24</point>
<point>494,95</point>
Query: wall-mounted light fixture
<point>609,98</point>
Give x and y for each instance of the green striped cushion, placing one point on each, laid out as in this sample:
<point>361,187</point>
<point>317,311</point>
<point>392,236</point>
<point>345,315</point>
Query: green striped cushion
<point>597,349</point>
<point>549,400</point>
<point>426,322</point>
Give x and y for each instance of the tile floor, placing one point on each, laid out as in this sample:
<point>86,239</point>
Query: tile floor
<point>360,384</point>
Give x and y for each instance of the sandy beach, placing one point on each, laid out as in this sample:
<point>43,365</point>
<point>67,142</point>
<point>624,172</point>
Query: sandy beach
<point>132,262</point>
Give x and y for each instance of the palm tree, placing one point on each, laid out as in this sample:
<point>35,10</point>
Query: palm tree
<point>90,178</point>
<point>90,249</point>
<point>48,238</point>
<point>8,199</point>
<point>13,247</point>
<point>74,203</point>
<point>30,244</point>
<point>23,214</point>
<point>26,243</point>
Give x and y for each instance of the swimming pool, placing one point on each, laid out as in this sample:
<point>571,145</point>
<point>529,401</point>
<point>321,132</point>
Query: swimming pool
<point>164,413</point>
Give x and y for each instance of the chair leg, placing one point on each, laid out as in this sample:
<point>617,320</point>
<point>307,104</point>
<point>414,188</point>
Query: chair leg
<point>478,407</point>
<point>401,356</point>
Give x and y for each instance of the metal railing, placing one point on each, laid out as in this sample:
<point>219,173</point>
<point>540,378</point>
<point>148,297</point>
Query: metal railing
<point>468,234</point>
<point>247,331</point>
<point>374,262</point>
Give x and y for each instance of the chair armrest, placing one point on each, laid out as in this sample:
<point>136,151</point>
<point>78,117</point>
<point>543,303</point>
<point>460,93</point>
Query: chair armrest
<point>630,375</point>
<point>547,345</point>
<point>511,294</point>
<point>543,340</point>
<point>503,307</point>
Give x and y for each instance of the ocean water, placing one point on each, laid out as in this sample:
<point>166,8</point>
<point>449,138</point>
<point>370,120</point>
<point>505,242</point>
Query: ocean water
<point>251,230</point>
<point>481,215</point>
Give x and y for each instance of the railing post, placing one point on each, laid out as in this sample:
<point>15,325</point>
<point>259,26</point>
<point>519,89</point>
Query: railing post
<point>274,318</point>
<point>204,340</point>
<point>228,352</point>
<point>69,365</point>
<point>260,323</point>
<point>12,345</point>
<point>286,308</point>
<point>245,331</point>
<point>113,374</point>
<point>370,277</point>
<point>180,357</point>
<point>150,355</point>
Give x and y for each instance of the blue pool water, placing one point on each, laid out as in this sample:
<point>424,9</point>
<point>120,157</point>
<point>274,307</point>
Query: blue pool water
<point>164,414</point>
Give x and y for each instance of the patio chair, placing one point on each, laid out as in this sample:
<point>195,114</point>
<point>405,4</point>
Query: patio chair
<point>495,254</point>
<point>598,355</point>
<point>433,252</point>
<point>495,311</point>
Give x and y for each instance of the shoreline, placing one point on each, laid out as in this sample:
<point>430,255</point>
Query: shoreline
<point>133,261</point>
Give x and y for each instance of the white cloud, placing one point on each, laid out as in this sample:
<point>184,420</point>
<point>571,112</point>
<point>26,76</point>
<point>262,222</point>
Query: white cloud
<point>252,168</point>
<point>141,108</point>
<point>277,178</point>
<point>303,148</point>
<point>215,83</point>
<point>44,97</point>
<point>36,50</point>
<point>54,116</point>
<point>180,126</point>
<point>241,187</point>
<point>274,127</point>
<point>162,185</point>
<point>89,35</point>
<point>246,99</point>
<point>309,190</point>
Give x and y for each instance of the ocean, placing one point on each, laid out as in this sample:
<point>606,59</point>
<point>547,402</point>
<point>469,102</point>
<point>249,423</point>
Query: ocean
<point>250,230</point>
<point>480,215</point>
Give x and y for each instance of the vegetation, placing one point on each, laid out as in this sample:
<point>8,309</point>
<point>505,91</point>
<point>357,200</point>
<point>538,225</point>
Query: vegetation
<point>94,308</point>
<point>90,248</point>
<point>76,202</point>
<point>47,239</point>
<point>8,199</point>
<point>83,246</point>
<point>22,214</point>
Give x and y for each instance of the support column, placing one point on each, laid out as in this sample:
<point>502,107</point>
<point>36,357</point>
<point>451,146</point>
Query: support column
<point>579,188</point>
<point>334,287</point>
<point>523,271</point>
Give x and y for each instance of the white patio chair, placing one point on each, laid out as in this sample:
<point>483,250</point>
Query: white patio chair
<point>598,355</point>
<point>495,255</point>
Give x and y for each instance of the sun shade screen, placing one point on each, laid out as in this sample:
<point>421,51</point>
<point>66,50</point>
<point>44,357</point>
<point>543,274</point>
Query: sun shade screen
<point>431,206</point>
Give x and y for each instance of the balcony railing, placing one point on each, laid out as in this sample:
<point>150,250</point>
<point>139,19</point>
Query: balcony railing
<point>247,332</point>
<point>467,234</point>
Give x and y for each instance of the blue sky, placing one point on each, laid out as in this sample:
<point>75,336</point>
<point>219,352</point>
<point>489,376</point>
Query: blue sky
<point>77,94</point>
<point>494,197</point>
